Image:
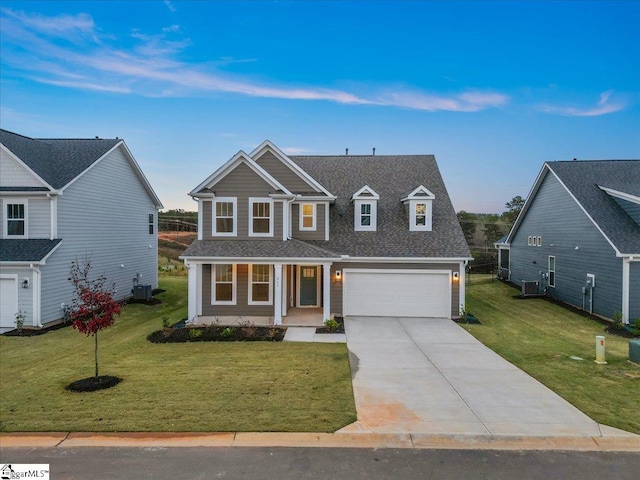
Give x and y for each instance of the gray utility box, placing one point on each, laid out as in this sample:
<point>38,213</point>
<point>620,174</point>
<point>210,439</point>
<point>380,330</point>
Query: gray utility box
<point>634,350</point>
<point>142,292</point>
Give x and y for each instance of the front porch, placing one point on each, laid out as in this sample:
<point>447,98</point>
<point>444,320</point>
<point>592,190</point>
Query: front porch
<point>296,317</point>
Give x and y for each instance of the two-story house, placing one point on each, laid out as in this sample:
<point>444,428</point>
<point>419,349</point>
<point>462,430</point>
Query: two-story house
<point>68,199</point>
<point>339,235</point>
<point>577,238</point>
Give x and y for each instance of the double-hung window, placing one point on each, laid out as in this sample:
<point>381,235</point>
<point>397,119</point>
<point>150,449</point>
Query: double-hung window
<point>16,220</point>
<point>225,219</point>
<point>152,223</point>
<point>307,216</point>
<point>260,292</point>
<point>223,291</point>
<point>552,271</point>
<point>421,215</point>
<point>260,217</point>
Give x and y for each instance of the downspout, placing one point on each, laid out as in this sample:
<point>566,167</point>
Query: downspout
<point>290,216</point>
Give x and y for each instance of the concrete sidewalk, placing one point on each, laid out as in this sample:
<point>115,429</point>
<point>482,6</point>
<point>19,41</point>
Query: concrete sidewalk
<point>430,376</point>
<point>315,440</point>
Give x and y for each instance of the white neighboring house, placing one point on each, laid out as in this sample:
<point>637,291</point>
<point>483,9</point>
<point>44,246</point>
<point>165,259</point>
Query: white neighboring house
<point>67,199</point>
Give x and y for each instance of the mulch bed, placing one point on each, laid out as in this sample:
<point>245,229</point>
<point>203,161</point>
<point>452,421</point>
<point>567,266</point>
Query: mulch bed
<point>93,384</point>
<point>218,334</point>
<point>32,332</point>
<point>340,328</point>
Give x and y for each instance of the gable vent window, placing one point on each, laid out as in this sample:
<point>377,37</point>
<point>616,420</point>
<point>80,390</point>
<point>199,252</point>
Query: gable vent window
<point>16,220</point>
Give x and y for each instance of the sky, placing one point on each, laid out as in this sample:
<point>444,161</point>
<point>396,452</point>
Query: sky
<point>492,89</point>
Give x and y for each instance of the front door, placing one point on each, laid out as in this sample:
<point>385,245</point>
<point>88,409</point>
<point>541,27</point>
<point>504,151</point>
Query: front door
<point>308,276</point>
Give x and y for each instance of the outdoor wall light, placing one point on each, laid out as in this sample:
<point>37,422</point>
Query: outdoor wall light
<point>456,276</point>
<point>338,274</point>
<point>25,283</point>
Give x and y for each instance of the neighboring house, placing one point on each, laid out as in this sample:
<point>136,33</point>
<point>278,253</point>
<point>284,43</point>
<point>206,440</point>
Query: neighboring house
<point>68,199</point>
<point>578,236</point>
<point>282,235</point>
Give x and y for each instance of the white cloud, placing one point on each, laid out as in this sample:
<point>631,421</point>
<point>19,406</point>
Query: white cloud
<point>169,5</point>
<point>151,68</point>
<point>605,106</point>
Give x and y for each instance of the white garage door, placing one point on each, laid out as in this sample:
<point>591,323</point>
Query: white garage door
<point>397,293</point>
<point>8,302</point>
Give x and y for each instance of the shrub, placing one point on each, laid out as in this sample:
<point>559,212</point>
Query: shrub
<point>331,324</point>
<point>228,332</point>
<point>195,333</point>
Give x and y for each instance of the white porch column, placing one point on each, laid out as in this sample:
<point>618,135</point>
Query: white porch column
<point>626,269</point>
<point>462,281</point>
<point>326,291</point>
<point>277,294</point>
<point>199,289</point>
<point>193,291</point>
<point>284,292</point>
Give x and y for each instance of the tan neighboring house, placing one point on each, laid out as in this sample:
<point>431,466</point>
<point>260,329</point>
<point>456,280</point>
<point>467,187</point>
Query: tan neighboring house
<point>283,236</point>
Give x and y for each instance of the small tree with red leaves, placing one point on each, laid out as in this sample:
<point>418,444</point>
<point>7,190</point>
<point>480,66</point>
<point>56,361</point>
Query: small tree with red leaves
<point>93,307</point>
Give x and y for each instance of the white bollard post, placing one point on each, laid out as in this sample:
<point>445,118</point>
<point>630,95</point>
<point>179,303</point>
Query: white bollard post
<point>600,350</point>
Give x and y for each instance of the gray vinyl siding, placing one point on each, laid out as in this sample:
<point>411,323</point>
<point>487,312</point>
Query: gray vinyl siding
<point>634,290</point>
<point>25,295</point>
<point>336,285</point>
<point>242,183</point>
<point>39,218</point>
<point>318,233</point>
<point>103,216</point>
<point>563,226</point>
<point>632,209</point>
<point>241,308</point>
<point>2,207</point>
<point>283,174</point>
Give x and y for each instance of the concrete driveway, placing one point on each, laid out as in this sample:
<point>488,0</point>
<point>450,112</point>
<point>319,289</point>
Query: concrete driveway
<point>430,376</point>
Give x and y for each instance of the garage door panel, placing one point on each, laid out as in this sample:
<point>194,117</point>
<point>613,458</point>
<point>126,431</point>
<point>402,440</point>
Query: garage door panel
<point>408,293</point>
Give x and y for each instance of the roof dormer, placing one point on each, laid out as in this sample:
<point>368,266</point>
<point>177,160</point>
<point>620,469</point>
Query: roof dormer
<point>365,209</point>
<point>420,203</point>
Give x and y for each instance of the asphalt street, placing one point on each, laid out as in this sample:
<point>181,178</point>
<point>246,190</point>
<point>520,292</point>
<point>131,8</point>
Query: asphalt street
<point>97,463</point>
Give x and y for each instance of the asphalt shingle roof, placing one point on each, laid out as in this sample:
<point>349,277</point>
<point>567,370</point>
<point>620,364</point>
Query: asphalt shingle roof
<point>256,248</point>
<point>57,161</point>
<point>25,250</point>
<point>582,178</point>
<point>391,177</point>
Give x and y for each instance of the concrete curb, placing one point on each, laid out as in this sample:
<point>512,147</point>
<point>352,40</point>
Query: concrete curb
<point>317,440</point>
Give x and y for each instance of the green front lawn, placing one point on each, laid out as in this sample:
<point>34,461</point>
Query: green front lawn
<point>256,386</point>
<point>540,338</point>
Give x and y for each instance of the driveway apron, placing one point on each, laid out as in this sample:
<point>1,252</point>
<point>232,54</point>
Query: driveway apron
<point>430,376</point>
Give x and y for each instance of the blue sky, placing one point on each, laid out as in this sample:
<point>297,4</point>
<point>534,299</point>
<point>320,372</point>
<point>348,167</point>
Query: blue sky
<point>493,89</point>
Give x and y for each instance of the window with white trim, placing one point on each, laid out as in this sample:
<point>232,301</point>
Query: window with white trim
<point>529,240</point>
<point>552,271</point>
<point>539,242</point>
<point>223,284</point>
<point>16,220</point>
<point>260,217</point>
<point>152,223</point>
<point>307,216</point>
<point>225,219</point>
<point>260,291</point>
<point>365,210</point>
<point>420,213</point>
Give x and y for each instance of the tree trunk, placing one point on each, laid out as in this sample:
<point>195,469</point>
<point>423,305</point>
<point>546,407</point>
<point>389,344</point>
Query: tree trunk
<point>96,352</point>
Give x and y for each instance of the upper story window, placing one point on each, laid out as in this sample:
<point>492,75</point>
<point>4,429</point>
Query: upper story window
<point>365,214</point>
<point>420,209</point>
<point>307,216</point>
<point>16,220</point>
<point>260,217</point>
<point>225,219</point>
<point>152,223</point>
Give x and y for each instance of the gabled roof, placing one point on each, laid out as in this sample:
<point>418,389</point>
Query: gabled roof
<point>239,158</point>
<point>391,177</point>
<point>269,146</point>
<point>59,161</point>
<point>256,249</point>
<point>587,182</point>
<point>366,192</point>
<point>27,250</point>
